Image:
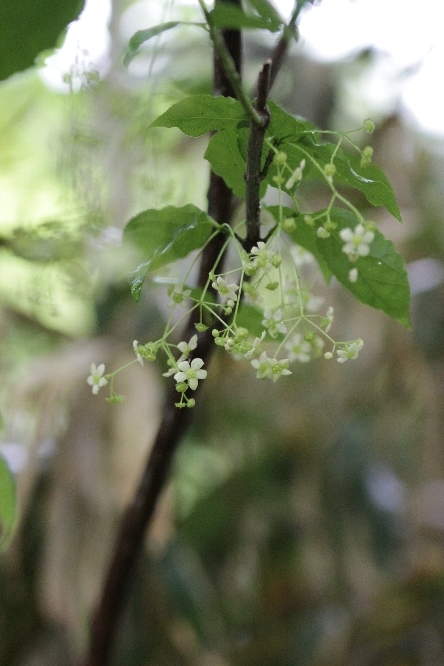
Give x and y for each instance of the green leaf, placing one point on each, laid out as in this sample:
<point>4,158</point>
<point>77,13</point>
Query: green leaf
<point>305,236</point>
<point>382,279</point>
<point>230,16</point>
<point>287,132</point>
<point>226,161</point>
<point>142,36</point>
<point>266,10</point>
<point>8,504</point>
<point>199,114</point>
<point>370,180</point>
<point>166,235</point>
<point>285,127</point>
<point>28,27</point>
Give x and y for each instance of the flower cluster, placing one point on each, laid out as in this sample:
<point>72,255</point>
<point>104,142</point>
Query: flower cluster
<point>275,278</point>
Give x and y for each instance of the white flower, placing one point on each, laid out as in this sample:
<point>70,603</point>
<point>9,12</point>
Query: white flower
<point>322,232</point>
<point>187,348</point>
<point>351,350</point>
<point>313,302</point>
<point>138,356</point>
<point>353,275</point>
<point>301,256</point>
<point>310,302</point>
<point>270,368</point>
<point>357,242</point>
<point>190,373</point>
<point>255,346</point>
<point>296,176</point>
<point>274,322</point>
<point>178,296</point>
<point>248,265</point>
<point>265,259</point>
<point>96,379</point>
<point>298,348</point>
<point>227,291</point>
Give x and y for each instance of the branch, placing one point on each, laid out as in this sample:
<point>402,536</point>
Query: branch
<point>289,34</point>
<point>229,67</point>
<point>173,425</point>
<point>253,174</point>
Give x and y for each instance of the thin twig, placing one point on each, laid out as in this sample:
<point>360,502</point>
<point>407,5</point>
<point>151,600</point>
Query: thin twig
<point>289,34</point>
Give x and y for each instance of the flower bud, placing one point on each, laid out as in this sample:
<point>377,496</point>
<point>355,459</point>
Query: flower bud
<point>289,224</point>
<point>369,126</point>
<point>280,158</point>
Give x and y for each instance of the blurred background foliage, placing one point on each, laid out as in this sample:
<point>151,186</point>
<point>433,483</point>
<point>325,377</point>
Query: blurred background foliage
<point>303,524</point>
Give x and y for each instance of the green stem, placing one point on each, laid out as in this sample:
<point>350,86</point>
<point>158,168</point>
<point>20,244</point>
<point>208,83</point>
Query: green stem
<point>230,70</point>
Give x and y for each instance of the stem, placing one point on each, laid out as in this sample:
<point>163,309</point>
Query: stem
<point>289,33</point>
<point>173,425</point>
<point>228,65</point>
<point>253,174</point>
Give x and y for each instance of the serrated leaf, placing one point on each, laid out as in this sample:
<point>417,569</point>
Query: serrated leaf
<point>199,114</point>
<point>228,15</point>
<point>165,235</point>
<point>8,504</point>
<point>305,236</point>
<point>285,127</point>
<point>226,161</point>
<point>382,279</point>
<point>29,27</point>
<point>370,180</point>
<point>142,36</point>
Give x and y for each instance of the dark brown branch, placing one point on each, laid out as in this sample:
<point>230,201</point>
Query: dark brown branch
<point>268,161</point>
<point>253,174</point>
<point>173,425</point>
